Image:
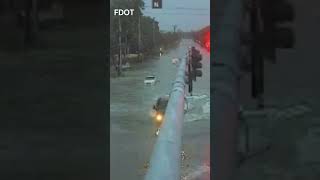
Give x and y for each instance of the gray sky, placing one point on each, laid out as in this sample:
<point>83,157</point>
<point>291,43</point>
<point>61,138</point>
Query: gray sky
<point>186,14</point>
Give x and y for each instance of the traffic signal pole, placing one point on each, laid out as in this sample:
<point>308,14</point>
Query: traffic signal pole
<point>266,17</point>
<point>165,161</point>
<point>189,73</point>
<point>225,84</point>
<point>166,157</point>
<point>256,56</point>
<point>120,48</point>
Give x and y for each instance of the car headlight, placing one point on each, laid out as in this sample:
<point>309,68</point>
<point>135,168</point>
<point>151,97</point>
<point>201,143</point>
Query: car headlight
<point>159,117</point>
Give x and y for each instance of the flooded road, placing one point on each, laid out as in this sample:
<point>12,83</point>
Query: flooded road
<point>132,128</point>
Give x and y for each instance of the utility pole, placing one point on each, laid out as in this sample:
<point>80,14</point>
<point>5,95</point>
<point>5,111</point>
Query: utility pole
<point>139,36</point>
<point>153,29</point>
<point>126,51</point>
<point>165,162</point>
<point>27,20</point>
<point>189,73</point>
<point>120,49</point>
<point>34,18</point>
<point>256,58</point>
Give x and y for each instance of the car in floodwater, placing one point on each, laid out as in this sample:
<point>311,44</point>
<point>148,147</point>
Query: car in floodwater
<point>150,80</point>
<point>126,66</point>
<point>159,109</point>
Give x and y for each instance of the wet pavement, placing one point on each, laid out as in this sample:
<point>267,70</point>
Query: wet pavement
<point>132,128</point>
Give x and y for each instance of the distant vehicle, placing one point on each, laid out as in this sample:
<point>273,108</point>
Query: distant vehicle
<point>150,80</point>
<point>161,51</point>
<point>126,66</point>
<point>175,61</point>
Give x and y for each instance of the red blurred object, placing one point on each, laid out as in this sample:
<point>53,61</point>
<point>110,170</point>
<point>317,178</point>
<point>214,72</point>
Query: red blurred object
<point>202,37</point>
<point>207,40</point>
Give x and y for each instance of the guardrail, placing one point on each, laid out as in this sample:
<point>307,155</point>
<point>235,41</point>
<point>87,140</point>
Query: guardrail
<point>165,160</point>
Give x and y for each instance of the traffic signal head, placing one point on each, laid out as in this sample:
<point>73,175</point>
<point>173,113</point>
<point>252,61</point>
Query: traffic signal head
<point>196,57</point>
<point>284,38</point>
<point>273,13</point>
<point>279,11</point>
<point>206,40</point>
<point>197,73</point>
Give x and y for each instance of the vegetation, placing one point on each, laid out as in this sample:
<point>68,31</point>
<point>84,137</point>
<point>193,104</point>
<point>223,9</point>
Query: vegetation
<point>167,39</point>
<point>150,35</point>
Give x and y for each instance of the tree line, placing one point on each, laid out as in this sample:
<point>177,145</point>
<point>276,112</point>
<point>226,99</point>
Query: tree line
<point>136,33</point>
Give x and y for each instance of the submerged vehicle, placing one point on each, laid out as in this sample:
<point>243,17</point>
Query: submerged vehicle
<point>175,61</point>
<point>160,109</point>
<point>126,66</point>
<point>150,80</point>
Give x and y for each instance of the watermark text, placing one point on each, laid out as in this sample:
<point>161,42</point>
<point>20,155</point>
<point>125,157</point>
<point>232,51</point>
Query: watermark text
<point>123,12</point>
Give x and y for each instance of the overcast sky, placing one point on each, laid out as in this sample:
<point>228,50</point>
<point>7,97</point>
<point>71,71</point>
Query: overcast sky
<point>186,14</point>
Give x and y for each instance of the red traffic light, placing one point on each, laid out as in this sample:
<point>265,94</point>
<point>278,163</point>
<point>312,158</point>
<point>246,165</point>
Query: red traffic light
<point>207,40</point>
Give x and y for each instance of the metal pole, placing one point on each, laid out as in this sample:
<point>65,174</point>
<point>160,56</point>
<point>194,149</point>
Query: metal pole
<point>256,58</point>
<point>166,157</point>
<point>27,30</point>
<point>190,73</point>
<point>139,37</point>
<point>153,31</point>
<point>120,49</point>
<point>35,18</point>
<point>225,76</point>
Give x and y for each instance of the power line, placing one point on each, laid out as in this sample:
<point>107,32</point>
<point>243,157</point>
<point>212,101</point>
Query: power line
<point>184,8</point>
<point>193,14</point>
<point>189,8</point>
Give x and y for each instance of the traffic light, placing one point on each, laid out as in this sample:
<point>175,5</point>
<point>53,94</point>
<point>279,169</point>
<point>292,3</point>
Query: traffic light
<point>207,40</point>
<point>189,77</point>
<point>156,4</point>
<point>194,66</point>
<point>196,57</point>
<point>274,35</point>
